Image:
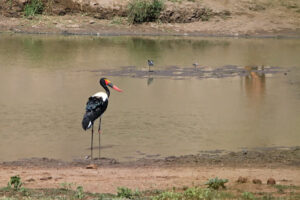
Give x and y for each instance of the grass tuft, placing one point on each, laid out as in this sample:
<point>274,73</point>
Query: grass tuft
<point>127,193</point>
<point>216,183</point>
<point>193,194</point>
<point>15,181</point>
<point>33,7</point>
<point>140,11</point>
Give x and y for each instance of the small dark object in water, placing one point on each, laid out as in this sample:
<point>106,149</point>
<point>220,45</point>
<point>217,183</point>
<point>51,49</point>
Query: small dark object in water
<point>285,73</point>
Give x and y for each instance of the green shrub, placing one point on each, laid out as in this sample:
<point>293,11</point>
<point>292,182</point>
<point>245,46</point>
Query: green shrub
<point>248,195</point>
<point>124,192</point>
<point>193,194</point>
<point>79,192</point>
<point>144,10</point>
<point>66,186</point>
<point>168,196</point>
<point>216,183</point>
<point>198,193</point>
<point>15,181</point>
<point>34,7</point>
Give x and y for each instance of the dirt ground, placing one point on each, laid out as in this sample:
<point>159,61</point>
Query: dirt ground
<point>106,175</point>
<point>108,179</point>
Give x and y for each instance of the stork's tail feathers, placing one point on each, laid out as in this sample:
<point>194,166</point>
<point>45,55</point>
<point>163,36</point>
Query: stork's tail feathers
<point>86,122</point>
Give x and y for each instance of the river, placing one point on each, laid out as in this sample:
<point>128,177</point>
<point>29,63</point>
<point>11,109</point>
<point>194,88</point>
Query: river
<point>45,81</point>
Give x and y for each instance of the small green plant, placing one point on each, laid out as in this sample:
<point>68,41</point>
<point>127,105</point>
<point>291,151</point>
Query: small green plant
<point>216,183</point>
<point>193,193</point>
<point>176,1</point>
<point>124,192</point>
<point>34,7</point>
<point>15,181</point>
<point>248,195</point>
<point>168,195</point>
<point>144,10</point>
<point>79,192</point>
<point>66,186</point>
<point>197,193</point>
<point>24,191</point>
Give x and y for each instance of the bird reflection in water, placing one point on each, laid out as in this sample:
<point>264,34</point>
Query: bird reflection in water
<point>150,80</point>
<point>255,83</point>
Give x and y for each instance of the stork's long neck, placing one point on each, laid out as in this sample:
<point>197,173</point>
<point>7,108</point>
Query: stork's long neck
<point>106,90</point>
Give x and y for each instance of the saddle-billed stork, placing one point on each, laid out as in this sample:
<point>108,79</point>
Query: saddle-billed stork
<point>95,107</point>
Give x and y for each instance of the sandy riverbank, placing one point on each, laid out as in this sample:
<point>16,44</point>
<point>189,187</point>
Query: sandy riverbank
<point>106,175</point>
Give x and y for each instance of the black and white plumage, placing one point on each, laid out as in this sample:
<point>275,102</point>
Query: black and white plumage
<point>95,107</point>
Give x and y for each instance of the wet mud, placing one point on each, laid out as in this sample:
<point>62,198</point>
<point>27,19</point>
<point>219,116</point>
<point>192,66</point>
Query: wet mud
<point>268,157</point>
<point>200,72</point>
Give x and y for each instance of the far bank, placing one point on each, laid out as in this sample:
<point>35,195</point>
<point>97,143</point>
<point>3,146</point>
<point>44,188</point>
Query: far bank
<point>194,18</point>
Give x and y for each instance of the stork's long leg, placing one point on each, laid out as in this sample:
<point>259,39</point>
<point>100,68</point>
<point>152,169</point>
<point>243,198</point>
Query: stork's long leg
<point>99,132</point>
<point>92,141</point>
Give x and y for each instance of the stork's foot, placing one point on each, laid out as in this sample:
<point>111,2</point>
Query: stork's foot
<point>99,131</point>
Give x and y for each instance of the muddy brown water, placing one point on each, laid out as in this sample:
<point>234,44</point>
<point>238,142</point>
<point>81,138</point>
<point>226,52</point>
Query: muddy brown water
<point>45,82</point>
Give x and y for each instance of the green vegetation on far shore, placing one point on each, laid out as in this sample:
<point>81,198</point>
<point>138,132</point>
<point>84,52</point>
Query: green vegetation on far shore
<point>144,10</point>
<point>33,7</point>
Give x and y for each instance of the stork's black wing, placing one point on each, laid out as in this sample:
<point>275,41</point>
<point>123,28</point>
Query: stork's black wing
<point>95,107</point>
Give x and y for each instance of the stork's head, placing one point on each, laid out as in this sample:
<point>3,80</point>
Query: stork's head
<point>105,82</point>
